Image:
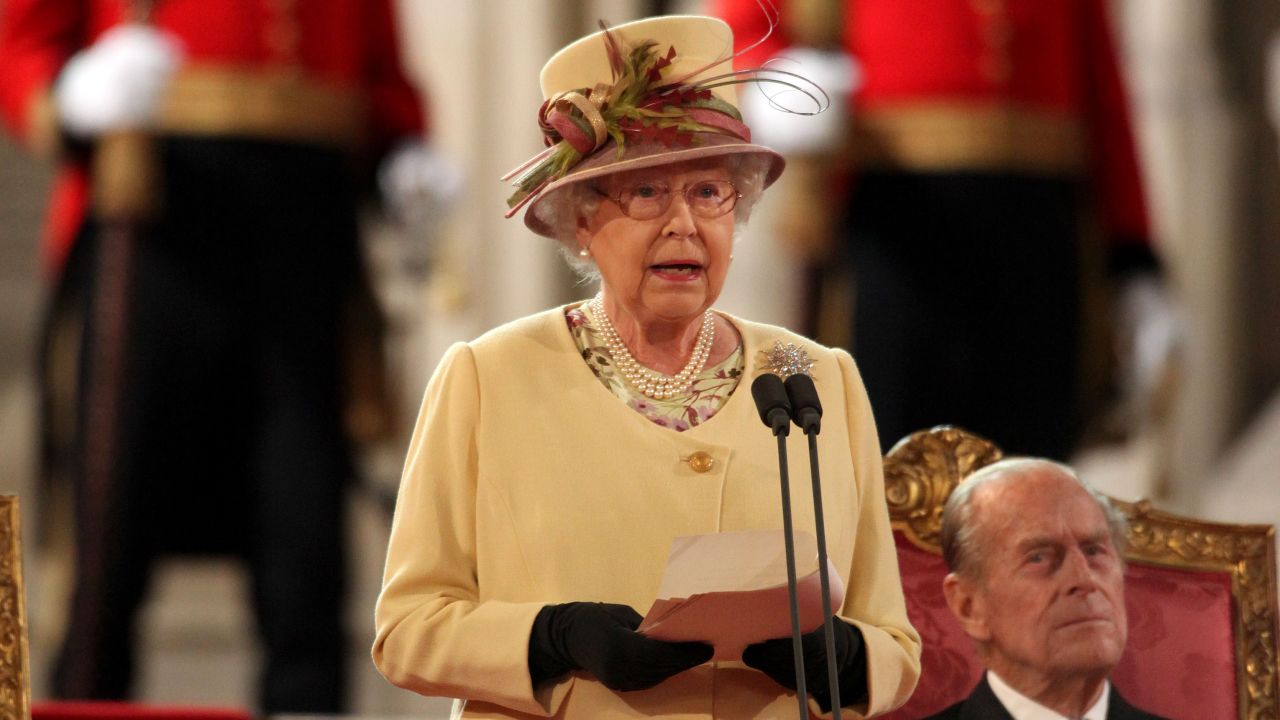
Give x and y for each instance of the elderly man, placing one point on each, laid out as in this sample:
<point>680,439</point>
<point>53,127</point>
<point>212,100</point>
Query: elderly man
<point>1037,580</point>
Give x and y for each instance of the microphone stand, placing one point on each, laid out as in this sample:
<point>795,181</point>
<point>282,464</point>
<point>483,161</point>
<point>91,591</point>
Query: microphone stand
<point>788,534</point>
<point>808,414</point>
<point>771,401</point>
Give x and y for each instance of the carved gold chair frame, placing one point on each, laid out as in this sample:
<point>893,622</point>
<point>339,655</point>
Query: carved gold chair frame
<point>15,679</point>
<point>924,467</point>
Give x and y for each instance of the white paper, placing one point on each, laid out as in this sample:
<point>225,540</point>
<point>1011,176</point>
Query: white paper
<point>730,590</point>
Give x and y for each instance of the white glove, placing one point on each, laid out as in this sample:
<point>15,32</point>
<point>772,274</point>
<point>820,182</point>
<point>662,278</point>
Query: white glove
<point>417,182</point>
<point>116,83</point>
<point>418,186</point>
<point>766,104</point>
<point>1150,333</point>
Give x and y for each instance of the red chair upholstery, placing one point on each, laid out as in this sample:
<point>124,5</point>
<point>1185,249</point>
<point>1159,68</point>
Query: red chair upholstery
<point>87,710</point>
<point>949,667</point>
<point>1179,632</point>
<point>1201,597</point>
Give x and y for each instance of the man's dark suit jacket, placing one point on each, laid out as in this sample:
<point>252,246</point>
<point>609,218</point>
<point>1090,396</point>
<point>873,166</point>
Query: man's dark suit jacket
<point>982,704</point>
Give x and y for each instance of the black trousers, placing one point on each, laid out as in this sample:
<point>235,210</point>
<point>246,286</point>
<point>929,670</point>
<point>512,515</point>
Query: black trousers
<point>967,305</point>
<point>209,415</point>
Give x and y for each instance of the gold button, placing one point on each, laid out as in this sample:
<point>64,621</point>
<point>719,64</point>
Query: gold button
<point>701,462</point>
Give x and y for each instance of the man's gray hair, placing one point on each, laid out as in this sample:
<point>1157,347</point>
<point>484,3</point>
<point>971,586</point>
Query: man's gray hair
<point>958,544</point>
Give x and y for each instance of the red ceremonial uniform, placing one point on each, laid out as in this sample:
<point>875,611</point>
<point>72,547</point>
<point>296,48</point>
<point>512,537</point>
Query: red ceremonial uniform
<point>242,57</point>
<point>933,69</point>
<point>989,141</point>
<point>209,323</point>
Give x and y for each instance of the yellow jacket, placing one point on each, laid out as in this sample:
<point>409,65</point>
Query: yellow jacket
<point>528,483</point>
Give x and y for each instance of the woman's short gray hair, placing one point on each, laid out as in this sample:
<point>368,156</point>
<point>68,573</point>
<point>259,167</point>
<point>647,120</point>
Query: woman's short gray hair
<point>958,544</point>
<point>561,211</point>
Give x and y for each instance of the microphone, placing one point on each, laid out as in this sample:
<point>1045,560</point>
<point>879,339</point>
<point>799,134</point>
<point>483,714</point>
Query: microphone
<point>771,400</point>
<point>806,408</point>
<point>775,412</point>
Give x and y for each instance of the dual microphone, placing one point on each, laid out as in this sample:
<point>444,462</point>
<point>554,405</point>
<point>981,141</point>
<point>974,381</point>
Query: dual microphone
<point>780,403</point>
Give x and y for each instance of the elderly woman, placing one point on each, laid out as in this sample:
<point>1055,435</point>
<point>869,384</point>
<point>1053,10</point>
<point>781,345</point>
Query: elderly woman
<point>556,457</point>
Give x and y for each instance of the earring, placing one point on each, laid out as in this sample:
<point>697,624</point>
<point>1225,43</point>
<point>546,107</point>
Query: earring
<point>584,253</point>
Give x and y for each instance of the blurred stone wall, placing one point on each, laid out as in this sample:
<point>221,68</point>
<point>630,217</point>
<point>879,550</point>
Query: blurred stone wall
<point>1197,73</point>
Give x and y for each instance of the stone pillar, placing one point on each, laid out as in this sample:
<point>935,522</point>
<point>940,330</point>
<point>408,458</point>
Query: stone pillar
<point>1198,110</point>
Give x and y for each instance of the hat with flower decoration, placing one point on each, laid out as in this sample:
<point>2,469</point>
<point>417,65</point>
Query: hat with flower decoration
<point>652,92</point>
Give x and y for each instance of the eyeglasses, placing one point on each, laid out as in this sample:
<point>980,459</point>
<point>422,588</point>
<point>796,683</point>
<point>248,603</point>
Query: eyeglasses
<point>648,199</point>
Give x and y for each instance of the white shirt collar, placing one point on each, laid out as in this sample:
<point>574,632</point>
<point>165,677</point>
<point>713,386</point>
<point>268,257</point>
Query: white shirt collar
<point>1021,707</point>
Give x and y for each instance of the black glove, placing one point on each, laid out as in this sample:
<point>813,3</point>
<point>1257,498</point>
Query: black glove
<point>774,658</point>
<point>601,639</point>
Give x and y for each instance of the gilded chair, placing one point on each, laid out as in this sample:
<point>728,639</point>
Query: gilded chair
<point>1201,596</point>
<point>15,678</point>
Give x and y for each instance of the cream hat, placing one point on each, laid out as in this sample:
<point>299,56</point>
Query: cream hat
<point>663,86</point>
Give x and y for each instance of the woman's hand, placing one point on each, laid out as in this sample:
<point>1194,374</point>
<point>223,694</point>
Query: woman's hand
<point>775,659</point>
<point>601,639</point>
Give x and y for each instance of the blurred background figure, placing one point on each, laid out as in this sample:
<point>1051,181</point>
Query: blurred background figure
<point>209,301</point>
<point>966,219</point>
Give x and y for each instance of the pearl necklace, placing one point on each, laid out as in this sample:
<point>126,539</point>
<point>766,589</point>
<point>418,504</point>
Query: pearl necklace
<point>654,384</point>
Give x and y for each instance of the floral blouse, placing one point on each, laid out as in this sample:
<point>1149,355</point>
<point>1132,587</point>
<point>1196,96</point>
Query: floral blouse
<point>707,393</point>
